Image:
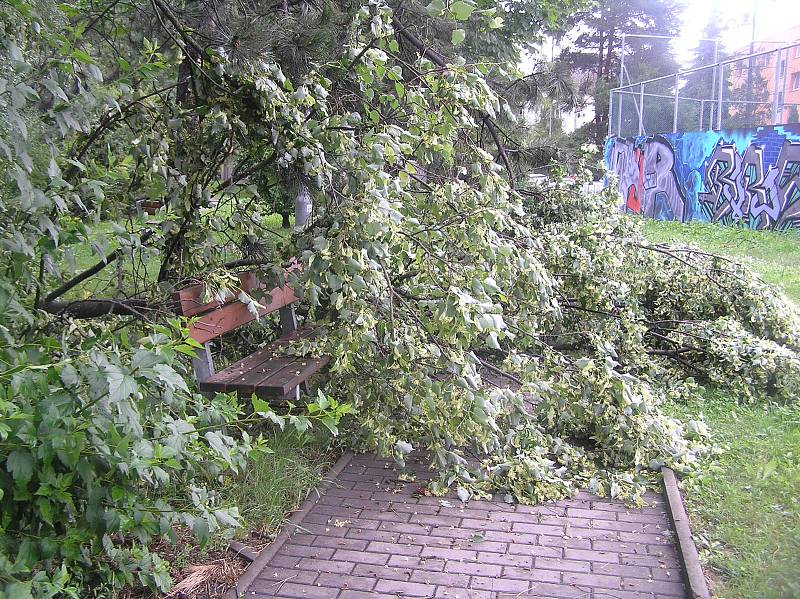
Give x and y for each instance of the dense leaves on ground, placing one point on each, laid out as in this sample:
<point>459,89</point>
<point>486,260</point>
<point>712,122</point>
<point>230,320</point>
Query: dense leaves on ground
<point>427,259</point>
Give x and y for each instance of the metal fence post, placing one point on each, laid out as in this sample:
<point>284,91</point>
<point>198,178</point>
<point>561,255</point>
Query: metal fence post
<point>719,96</point>
<point>702,110</point>
<point>610,110</point>
<point>776,81</point>
<point>619,113</point>
<point>641,109</point>
<point>675,111</point>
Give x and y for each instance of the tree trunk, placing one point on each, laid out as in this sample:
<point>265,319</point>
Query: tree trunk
<point>285,220</point>
<point>302,205</point>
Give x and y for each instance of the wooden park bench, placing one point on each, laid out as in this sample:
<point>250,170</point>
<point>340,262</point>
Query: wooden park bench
<point>268,373</point>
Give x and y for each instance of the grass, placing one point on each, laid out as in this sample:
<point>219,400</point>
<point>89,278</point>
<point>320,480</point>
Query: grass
<point>274,484</point>
<point>745,506</point>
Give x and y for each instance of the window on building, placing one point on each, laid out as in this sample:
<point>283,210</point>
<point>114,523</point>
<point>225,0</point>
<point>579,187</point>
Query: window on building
<point>797,51</point>
<point>795,81</point>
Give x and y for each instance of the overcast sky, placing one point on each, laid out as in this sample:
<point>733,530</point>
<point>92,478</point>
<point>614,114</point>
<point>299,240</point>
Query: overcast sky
<point>772,17</point>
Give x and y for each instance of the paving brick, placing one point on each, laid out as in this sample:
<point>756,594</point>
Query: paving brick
<point>505,585</point>
<point>271,576</point>
<point>531,574</point>
<point>541,529</point>
<point>320,565</point>
<point>546,590</point>
<point>506,559</point>
<point>592,556</point>
<point>440,578</point>
<point>421,563</point>
<point>305,591</point>
<point>360,557</point>
<point>407,589</point>
<point>473,569</point>
<point>449,592</point>
<point>377,572</point>
<point>662,587</point>
<point>340,543</point>
<point>592,580</point>
<point>450,554</point>
<point>345,581</point>
<point>563,565</point>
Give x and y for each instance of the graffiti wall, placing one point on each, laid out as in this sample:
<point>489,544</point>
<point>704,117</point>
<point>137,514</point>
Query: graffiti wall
<point>748,177</point>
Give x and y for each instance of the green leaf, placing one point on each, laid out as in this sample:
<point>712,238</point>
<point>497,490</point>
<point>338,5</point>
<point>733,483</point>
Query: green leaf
<point>461,10</point>
<point>20,464</point>
<point>457,36</point>
<point>120,385</point>
<point>435,8</point>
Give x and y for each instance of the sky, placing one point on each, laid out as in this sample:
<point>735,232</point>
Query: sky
<point>772,17</point>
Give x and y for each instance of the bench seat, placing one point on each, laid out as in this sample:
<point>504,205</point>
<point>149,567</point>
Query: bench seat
<point>267,372</point>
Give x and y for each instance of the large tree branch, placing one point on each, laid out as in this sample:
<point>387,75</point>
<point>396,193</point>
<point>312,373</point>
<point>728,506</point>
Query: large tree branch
<point>94,308</point>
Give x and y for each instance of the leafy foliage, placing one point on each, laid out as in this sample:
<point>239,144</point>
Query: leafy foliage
<point>437,275</point>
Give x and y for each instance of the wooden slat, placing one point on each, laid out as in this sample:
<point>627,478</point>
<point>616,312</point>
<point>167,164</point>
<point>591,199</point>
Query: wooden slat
<point>190,302</point>
<point>255,379</point>
<point>231,316</point>
<point>256,370</point>
<point>306,368</point>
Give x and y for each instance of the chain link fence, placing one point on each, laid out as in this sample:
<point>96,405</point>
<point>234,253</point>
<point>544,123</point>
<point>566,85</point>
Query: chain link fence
<point>758,89</point>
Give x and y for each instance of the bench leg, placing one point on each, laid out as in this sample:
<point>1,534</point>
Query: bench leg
<point>293,395</point>
<point>203,363</point>
<point>288,320</point>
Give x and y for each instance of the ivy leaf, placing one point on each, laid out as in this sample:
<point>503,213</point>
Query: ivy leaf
<point>461,10</point>
<point>20,464</point>
<point>457,36</point>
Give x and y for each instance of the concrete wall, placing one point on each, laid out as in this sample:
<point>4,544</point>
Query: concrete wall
<point>747,177</point>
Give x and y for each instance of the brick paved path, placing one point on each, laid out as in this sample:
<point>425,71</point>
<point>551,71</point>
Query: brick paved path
<point>371,536</point>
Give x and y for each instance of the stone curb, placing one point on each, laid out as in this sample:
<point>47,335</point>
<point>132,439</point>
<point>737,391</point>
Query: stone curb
<point>254,569</point>
<point>695,580</point>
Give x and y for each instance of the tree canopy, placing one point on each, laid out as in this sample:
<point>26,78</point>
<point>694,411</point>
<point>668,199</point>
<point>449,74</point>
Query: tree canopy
<point>524,338</point>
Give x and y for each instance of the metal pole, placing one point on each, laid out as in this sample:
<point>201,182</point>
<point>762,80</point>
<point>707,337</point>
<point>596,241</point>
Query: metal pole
<point>776,81</point>
<point>713,86</point>
<point>719,96</point>
<point>675,111</point>
<point>702,110</point>
<point>619,115</point>
<point>622,61</point>
<point>641,109</point>
<point>610,110</point>
<point>785,78</point>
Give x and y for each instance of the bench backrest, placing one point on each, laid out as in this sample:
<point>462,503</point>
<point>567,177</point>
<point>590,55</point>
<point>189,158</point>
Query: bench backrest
<point>217,318</point>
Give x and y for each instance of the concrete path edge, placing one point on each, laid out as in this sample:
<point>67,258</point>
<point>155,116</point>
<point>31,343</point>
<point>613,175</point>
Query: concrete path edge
<point>258,564</point>
<point>695,580</point>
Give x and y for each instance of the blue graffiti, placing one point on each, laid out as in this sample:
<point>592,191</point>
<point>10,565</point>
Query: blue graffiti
<point>745,177</point>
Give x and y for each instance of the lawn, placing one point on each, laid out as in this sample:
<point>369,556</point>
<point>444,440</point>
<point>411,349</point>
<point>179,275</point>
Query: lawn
<point>745,507</point>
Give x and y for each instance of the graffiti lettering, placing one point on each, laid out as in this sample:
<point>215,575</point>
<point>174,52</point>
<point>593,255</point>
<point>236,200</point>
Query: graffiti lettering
<point>646,178</point>
<point>740,187</point>
<point>707,178</point>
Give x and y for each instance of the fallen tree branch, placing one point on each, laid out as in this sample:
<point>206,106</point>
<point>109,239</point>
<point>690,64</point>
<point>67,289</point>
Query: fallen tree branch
<point>94,308</point>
